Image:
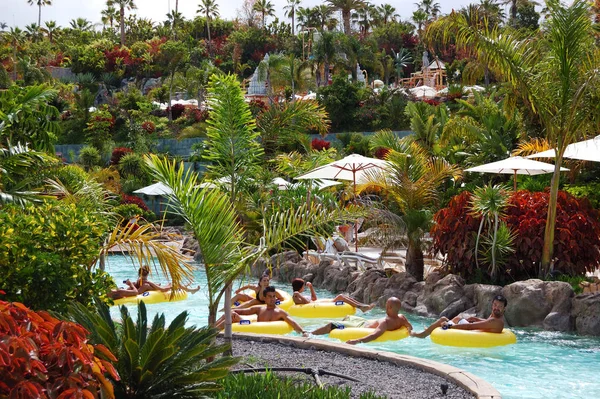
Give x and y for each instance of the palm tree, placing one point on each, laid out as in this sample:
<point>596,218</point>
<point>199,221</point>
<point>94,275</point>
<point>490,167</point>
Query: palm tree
<point>346,7</point>
<point>412,183</point>
<point>420,18</point>
<point>122,5</point>
<point>265,8</point>
<point>15,36</point>
<point>365,17</point>
<point>290,11</point>
<point>40,4</point>
<point>387,13</point>
<point>18,164</point>
<point>109,15</point>
<point>555,77</point>
<point>33,32</point>
<point>81,24</point>
<point>325,51</point>
<point>430,7</point>
<point>514,7</point>
<point>3,26</point>
<point>210,9</point>
<point>174,19</point>
<point>51,29</point>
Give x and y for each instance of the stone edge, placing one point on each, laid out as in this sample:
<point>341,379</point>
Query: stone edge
<point>470,382</point>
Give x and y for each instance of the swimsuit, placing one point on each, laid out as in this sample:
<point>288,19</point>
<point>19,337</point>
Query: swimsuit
<point>461,321</point>
<point>349,322</point>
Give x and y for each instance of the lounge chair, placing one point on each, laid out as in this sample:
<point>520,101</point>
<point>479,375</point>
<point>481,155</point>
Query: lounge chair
<point>363,262</point>
<point>325,251</point>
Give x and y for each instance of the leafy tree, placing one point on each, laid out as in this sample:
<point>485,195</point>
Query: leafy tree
<point>155,360</point>
<point>341,100</point>
<point>514,8</point>
<point>412,183</point>
<point>555,77</point>
<point>27,117</point>
<point>40,4</point>
<point>527,17</point>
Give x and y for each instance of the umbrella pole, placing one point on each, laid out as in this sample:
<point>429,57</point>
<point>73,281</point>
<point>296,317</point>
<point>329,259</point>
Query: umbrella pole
<point>515,181</point>
<point>356,221</point>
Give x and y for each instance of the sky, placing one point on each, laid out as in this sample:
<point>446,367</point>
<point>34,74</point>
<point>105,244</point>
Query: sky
<point>20,13</point>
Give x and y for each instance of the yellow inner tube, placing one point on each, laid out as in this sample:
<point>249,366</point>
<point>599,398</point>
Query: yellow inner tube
<point>322,309</point>
<point>262,327</point>
<point>472,338</point>
<point>153,297</point>
<point>354,333</point>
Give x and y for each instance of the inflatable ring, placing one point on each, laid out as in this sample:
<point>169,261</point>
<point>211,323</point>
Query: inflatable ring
<point>472,338</point>
<point>287,302</point>
<point>262,327</point>
<point>322,309</point>
<point>153,297</point>
<point>344,334</point>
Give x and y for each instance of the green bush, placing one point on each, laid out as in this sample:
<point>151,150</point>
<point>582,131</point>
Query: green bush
<point>355,143</point>
<point>269,386</point>
<point>591,191</point>
<point>127,211</point>
<point>89,157</point>
<point>132,165</point>
<point>46,252</point>
<point>155,360</point>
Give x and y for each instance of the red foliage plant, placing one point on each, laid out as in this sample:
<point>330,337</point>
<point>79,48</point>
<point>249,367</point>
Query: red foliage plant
<point>177,110</point>
<point>319,144</point>
<point>432,101</point>
<point>43,357</point>
<point>132,199</point>
<point>381,152</point>
<point>118,153</point>
<point>576,241</point>
<point>149,127</point>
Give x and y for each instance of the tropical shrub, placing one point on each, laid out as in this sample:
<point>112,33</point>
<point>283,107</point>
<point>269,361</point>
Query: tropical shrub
<point>46,253</point>
<point>99,129</point>
<point>576,244</point>
<point>270,386</point>
<point>132,199</point>
<point>89,157</point>
<point>590,190</point>
<point>118,153</point>
<point>319,144</point>
<point>341,100</point>
<point>132,164</point>
<point>156,360</point>
<point>127,211</point>
<point>43,357</point>
<point>177,110</point>
<point>355,143</point>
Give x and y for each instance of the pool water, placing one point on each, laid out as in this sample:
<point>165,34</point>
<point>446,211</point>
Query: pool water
<point>542,364</point>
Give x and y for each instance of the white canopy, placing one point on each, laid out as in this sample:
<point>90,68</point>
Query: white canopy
<point>353,168</point>
<point>588,150</point>
<point>423,92</point>
<point>155,189</point>
<point>516,166</point>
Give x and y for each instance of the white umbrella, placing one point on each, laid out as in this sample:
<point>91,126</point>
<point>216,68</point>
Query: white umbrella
<point>155,189</point>
<point>281,183</point>
<point>588,150</point>
<point>516,166</point>
<point>353,167</point>
<point>423,92</point>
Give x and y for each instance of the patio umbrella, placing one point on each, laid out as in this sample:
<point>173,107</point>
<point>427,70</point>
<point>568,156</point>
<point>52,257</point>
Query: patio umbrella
<point>516,166</point>
<point>423,92</point>
<point>155,190</point>
<point>588,150</point>
<point>353,167</point>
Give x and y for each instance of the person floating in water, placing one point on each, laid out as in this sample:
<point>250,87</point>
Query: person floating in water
<point>391,322</point>
<point>248,300</point>
<point>493,324</point>
<point>298,286</point>
<point>264,313</point>
<point>142,284</point>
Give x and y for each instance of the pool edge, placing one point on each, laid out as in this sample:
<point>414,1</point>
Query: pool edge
<point>468,381</point>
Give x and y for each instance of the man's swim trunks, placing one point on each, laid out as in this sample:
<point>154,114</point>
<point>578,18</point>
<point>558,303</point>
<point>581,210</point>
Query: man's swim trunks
<point>349,322</point>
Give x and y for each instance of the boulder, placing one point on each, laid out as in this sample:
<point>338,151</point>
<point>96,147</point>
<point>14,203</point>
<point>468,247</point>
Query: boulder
<point>440,295</point>
<point>586,314</point>
<point>530,302</point>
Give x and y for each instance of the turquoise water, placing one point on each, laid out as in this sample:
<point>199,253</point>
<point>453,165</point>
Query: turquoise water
<point>541,365</point>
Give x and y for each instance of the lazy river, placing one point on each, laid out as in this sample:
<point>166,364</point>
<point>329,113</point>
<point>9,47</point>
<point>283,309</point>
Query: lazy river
<point>542,364</point>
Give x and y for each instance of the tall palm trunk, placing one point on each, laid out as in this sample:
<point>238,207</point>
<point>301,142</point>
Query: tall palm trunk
<point>346,18</point>
<point>548,249</point>
<point>40,14</point>
<point>208,34</point>
<point>176,5</point>
<point>293,23</point>
<point>415,264</point>
<point>122,22</point>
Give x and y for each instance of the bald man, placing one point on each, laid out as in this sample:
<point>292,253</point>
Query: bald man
<point>392,321</point>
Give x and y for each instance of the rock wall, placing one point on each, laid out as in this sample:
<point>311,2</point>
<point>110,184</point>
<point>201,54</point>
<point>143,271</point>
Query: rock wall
<point>551,305</point>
